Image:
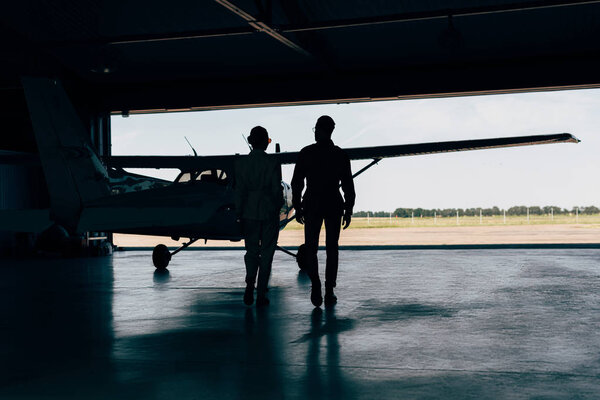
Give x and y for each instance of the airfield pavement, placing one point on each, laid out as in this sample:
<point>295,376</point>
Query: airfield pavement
<point>484,235</point>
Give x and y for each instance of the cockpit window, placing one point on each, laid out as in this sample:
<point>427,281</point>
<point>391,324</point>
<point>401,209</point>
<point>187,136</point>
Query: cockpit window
<point>185,177</point>
<point>212,175</point>
<point>209,175</point>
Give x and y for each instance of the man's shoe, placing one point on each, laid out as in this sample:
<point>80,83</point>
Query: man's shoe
<point>249,295</point>
<point>315,295</point>
<point>262,301</point>
<point>330,298</point>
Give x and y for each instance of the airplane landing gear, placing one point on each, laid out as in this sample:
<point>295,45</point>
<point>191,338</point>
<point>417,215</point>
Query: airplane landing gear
<point>161,257</point>
<point>300,256</point>
<point>161,254</point>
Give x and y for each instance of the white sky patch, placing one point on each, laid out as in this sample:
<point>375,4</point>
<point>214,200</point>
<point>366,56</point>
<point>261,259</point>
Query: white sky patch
<point>564,175</point>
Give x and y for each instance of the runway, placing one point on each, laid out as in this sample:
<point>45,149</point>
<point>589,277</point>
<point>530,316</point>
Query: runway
<point>483,324</point>
<point>421,236</point>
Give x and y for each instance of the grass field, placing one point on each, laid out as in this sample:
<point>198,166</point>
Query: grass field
<point>497,220</point>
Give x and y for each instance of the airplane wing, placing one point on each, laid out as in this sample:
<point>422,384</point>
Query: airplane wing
<point>190,163</point>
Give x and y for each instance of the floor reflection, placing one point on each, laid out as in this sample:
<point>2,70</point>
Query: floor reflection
<point>215,347</point>
<point>262,375</point>
<point>222,349</point>
<point>161,277</point>
<point>303,279</point>
<point>483,325</point>
<point>325,381</point>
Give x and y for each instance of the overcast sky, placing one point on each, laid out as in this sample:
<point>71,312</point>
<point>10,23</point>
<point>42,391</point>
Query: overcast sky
<point>564,175</point>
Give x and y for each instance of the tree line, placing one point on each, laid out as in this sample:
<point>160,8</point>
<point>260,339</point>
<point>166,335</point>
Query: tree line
<point>451,212</point>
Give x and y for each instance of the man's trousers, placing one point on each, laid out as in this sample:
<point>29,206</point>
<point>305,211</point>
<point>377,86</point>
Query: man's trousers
<point>260,238</point>
<point>312,230</point>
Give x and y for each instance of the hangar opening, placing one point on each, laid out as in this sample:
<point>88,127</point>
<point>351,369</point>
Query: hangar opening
<point>527,195</point>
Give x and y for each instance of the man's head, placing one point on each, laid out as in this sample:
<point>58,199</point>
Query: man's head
<point>324,128</point>
<point>259,138</point>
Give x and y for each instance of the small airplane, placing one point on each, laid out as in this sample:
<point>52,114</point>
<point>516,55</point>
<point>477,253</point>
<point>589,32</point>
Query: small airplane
<point>88,194</point>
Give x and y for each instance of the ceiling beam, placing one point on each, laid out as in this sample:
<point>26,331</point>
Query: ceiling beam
<point>439,13</point>
<point>261,26</point>
<point>276,32</point>
<point>162,37</point>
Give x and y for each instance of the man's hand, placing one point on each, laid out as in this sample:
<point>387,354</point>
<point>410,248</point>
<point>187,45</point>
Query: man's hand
<point>300,217</point>
<point>347,219</point>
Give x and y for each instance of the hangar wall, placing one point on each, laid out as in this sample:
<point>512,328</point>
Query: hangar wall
<point>21,186</point>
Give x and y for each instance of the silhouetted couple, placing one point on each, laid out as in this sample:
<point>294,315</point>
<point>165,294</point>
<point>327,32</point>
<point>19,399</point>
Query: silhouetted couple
<point>324,167</point>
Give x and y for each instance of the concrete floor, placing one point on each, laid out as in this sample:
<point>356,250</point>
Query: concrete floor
<point>409,324</point>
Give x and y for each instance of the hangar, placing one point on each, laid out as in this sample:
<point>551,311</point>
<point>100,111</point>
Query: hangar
<point>137,57</point>
<point>147,56</point>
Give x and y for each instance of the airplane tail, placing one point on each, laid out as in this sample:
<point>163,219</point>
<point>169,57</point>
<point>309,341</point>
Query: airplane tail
<point>73,171</point>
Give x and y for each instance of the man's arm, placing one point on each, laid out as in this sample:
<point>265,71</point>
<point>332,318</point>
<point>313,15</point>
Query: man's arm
<point>298,187</point>
<point>348,189</point>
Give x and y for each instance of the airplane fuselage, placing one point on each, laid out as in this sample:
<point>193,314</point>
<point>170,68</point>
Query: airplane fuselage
<point>191,209</point>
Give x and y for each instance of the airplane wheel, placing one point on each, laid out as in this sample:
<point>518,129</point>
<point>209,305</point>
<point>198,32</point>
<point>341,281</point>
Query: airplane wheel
<point>301,257</point>
<point>161,257</point>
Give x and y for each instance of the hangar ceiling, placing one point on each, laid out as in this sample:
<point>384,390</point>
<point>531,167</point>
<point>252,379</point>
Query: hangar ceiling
<point>155,55</point>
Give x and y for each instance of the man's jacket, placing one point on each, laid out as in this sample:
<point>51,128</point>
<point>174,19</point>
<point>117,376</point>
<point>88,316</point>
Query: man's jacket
<point>258,190</point>
<point>324,166</point>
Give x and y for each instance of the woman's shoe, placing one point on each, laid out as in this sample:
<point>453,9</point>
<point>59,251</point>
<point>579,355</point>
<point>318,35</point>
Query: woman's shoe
<point>249,295</point>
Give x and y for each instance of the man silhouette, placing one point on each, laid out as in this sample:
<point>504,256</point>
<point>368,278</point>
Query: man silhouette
<point>258,199</point>
<point>324,166</point>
